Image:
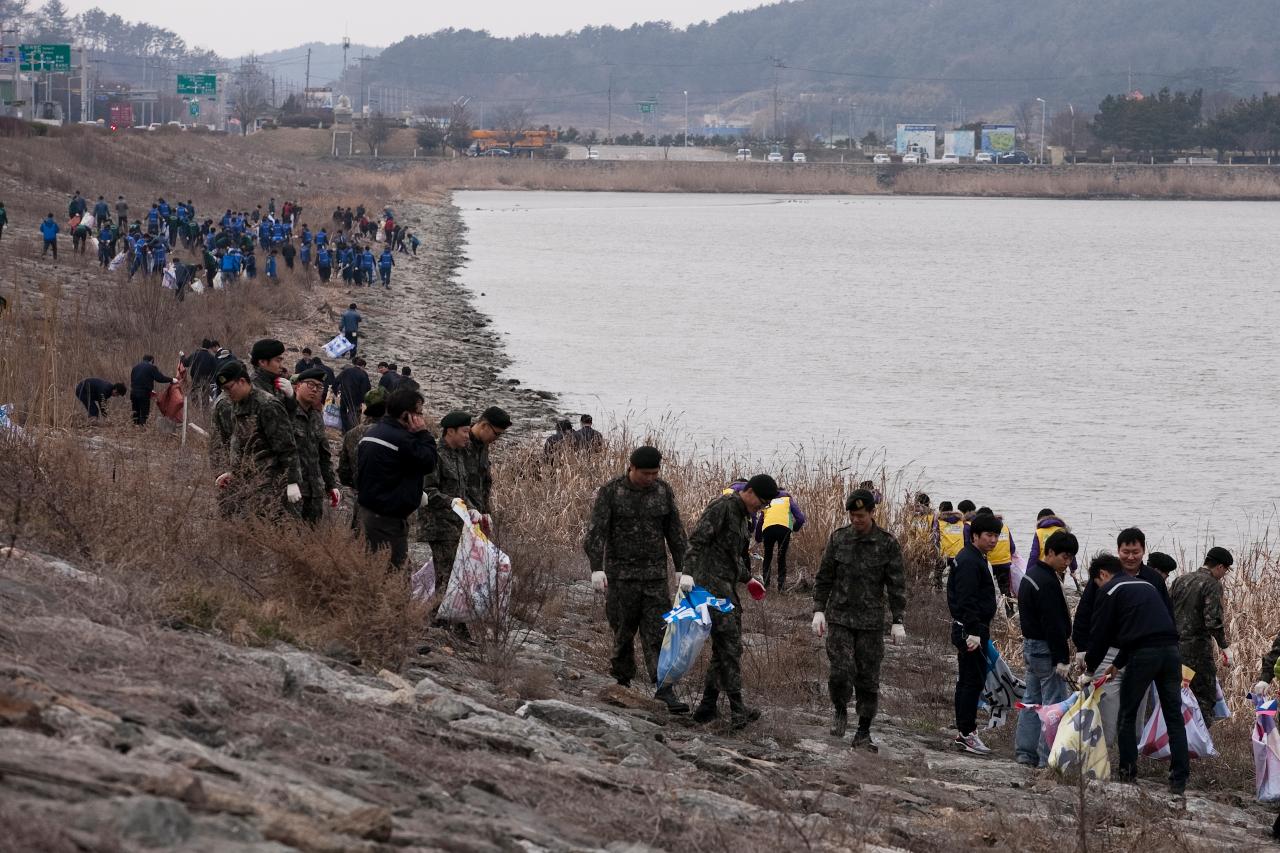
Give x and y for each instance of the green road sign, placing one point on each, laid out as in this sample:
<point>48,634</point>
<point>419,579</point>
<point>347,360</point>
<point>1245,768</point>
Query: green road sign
<point>197,84</point>
<point>54,58</point>
<point>194,109</point>
<point>645,108</point>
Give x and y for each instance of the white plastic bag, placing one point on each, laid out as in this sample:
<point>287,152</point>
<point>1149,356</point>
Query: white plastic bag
<point>1155,737</point>
<point>118,261</point>
<point>196,285</point>
<point>1266,751</point>
<point>480,585</point>
<point>170,278</point>
<point>338,347</point>
<point>422,584</point>
<point>218,281</point>
<point>93,244</point>
<point>1017,571</point>
<point>332,416</point>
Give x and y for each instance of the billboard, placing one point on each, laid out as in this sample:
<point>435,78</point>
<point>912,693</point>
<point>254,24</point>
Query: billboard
<point>924,136</point>
<point>958,142</point>
<point>999,138</point>
<point>318,98</point>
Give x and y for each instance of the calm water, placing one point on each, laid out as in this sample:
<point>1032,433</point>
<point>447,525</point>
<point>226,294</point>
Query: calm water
<point>1112,360</point>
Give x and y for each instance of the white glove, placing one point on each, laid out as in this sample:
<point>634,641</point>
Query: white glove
<point>898,634</point>
<point>1080,657</point>
<point>686,583</point>
<point>819,624</point>
<point>972,642</point>
<point>1261,688</point>
<point>1063,670</point>
<point>293,493</point>
<point>1226,658</point>
<point>284,386</point>
<point>599,582</point>
<point>425,500</point>
<point>335,497</point>
<point>475,516</point>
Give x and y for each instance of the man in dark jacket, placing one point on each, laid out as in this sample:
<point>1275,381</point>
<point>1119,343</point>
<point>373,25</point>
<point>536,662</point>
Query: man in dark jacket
<point>1046,632</point>
<point>1133,632</point>
<point>392,460</point>
<point>94,393</point>
<point>201,367</point>
<point>353,384</point>
<point>971,598</point>
<point>1197,606</point>
<point>142,380</point>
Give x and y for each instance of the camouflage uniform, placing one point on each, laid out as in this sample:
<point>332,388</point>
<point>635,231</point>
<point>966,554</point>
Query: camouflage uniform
<point>715,560</point>
<point>348,462</point>
<point>267,382</point>
<point>315,461</point>
<point>222,423</point>
<point>263,454</point>
<point>631,531</point>
<point>479,476</point>
<point>438,525</point>
<point>1270,661</point>
<point>1197,606</point>
<point>856,574</point>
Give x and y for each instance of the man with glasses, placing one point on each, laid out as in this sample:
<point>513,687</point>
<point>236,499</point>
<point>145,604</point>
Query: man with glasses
<point>314,456</point>
<point>488,429</point>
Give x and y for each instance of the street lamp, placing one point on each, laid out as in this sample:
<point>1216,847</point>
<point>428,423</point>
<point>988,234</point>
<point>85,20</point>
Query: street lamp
<point>1073,133</point>
<point>686,118</point>
<point>1043,108</point>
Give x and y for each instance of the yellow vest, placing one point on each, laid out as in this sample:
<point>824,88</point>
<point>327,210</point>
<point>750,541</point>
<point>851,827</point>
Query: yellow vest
<point>950,537</point>
<point>1002,554</point>
<point>778,512</point>
<point>1043,534</point>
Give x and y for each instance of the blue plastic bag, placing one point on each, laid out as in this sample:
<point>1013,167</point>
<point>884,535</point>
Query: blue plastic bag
<point>688,626</point>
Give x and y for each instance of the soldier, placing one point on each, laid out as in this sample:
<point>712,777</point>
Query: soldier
<point>266,357</point>
<point>715,561</point>
<point>438,525</point>
<point>860,567</point>
<point>634,522</point>
<point>374,408</point>
<point>488,429</point>
<point>262,453</point>
<point>1197,605</point>
<point>222,423</point>
<point>314,457</point>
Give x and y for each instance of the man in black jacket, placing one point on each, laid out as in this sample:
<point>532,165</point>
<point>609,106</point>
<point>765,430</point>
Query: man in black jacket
<point>142,380</point>
<point>353,385</point>
<point>1133,632</point>
<point>971,598</point>
<point>201,367</point>
<point>93,394</point>
<point>391,461</point>
<point>1046,632</point>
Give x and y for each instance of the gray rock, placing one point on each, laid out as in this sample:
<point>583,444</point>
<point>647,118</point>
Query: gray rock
<point>567,716</point>
<point>718,807</point>
<point>149,822</point>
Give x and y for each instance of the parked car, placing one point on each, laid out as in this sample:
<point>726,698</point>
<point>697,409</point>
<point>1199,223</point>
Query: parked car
<point>984,157</point>
<point>881,159</point>
<point>799,157</point>
<point>593,154</point>
<point>911,157</point>
<point>946,160</point>
<point>744,153</point>
<point>774,157</point>
<point>1020,158</point>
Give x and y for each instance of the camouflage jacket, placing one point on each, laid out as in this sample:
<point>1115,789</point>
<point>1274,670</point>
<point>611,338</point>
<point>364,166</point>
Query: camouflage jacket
<point>716,557</point>
<point>479,477</point>
<point>222,423</point>
<point>1271,662</point>
<point>437,520</point>
<point>314,457</point>
<point>262,442</point>
<point>632,529</point>
<point>267,382</point>
<point>856,574</point>
<point>1197,606</point>
<point>348,459</point>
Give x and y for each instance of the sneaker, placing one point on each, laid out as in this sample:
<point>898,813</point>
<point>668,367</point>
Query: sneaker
<point>972,743</point>
<point>862,740</point>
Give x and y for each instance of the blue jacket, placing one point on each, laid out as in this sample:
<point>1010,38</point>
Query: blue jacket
<point>385,260</point>
<point>322,256</point>
<point>271,267</point>
<point>322,238</point>
<point>101,211</point>
<point>49,229</point>
<point>164,209</point>
<point>350,321</point>
<point>366,260</point>
<point>306,236</point>
<point>153,217</point>
<point>142,377</point>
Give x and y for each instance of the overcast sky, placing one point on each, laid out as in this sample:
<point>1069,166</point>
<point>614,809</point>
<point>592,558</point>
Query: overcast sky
<point>268,26</point>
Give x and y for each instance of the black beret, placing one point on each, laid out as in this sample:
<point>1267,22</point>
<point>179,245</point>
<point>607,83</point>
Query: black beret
<point>1162,562</point>
<point>861,499</point>
<point>455,419</point>
<point>309,374</point>
<point>1219,556</point>
<point>497,417</point>
<point>230,372</point>
<point>266,349</point>
<point>764,486</point>
<point>646,457</point>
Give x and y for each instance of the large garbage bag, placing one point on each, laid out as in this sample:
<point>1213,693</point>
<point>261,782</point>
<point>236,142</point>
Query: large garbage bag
<point>1080,744</point>
<point>1002,690</point>
<point>1155,737</point>
<point>1266,750</point>
<point>1017,571</point>
<point>338,347</point>
<point>688,626</point>
<point>422,583</point>
<point>480,586</point>
<point>1051,715</point>
<point>117,262</point>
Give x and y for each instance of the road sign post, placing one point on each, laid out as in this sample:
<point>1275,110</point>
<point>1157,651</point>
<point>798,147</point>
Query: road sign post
<point>197,84</point>
<point>45,58</point>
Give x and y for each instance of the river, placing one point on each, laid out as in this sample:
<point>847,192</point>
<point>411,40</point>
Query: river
<point>1112,360</point>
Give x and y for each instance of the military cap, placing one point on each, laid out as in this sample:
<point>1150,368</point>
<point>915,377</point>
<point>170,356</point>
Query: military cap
<point>377,396</point>
<point>496,417</point>
<point>646,458</point>
<point>860,499</point>
<point>265,349</point>
<point>1162,562</point>
<point>309,374</point>
<point>455,419</point>
<point>1219,556</point>
<point>230,372</point>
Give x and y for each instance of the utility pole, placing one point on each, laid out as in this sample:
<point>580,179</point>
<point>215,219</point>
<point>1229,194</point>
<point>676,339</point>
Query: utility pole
<point>307,84</point>
<point>362,93</point>
<point>777,63</point>
<point>346,45</point>
<point>608,134</point>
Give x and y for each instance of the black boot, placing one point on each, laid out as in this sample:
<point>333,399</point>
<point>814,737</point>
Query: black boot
<point>862,737</point>
<point>674,705</point>
<point>740,716</point>
<point>706,710</point>
<point>840,722</point>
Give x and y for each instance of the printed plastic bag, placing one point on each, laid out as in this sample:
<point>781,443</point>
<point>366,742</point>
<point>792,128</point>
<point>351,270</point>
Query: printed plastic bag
<point>480,585</point>
<point>338,347</point>
<point>1002,690</point>
<point>117,262</point>
<point>332,416</point>
<point>1079,743</point>
<point>169,280</point>
<point>1155,737</point>
<point>1266,750</point>
<point>688,626</point>
<point>1017,571</point>
<point>1051,715</point>
<point>1221,711</point>
<point>422,583</point>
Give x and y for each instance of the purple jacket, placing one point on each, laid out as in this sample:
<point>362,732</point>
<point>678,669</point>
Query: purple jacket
<point>795,511</point>
<point>1048,521</point>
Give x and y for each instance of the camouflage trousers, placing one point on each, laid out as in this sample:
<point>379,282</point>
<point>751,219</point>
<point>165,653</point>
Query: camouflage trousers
<point>631,606</point>
<point>311,509</point>
<point>855,657</point>
<point>725,671</point>
<point>1197,654</point>
<point>443,552</point>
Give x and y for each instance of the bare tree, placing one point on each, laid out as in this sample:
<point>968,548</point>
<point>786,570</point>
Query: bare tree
<point>1026,118</point>
<point>249,91</point>
<point>512,120</point>
<point>376,131</point>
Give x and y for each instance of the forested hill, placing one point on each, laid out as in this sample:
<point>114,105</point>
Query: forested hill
<point>905,59</point>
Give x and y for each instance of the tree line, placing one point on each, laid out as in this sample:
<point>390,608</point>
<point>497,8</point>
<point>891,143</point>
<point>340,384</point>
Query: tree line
<point>1167,122</point>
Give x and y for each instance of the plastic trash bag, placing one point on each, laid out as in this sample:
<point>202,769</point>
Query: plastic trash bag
<point>422,583</point>
<point>218,281</point>
<point>1266,750</point>
<point>196,285</point>
<point>688,626</point>
<point>332,416</point>
<point>1155,737</point>
<point>1017,571</point>
<point>1002,690</point>
<point>117,262</point>
<point>1079,743</point>
<point>93,245</point>
<point>169,280</point>
<point>480,585</point>
<point>338,347</point>
<point>1221,711</point>
<point>1051,715</point>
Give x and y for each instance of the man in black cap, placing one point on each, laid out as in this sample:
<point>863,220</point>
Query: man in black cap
<point>634,522</point>
<point>716,562</point>
<point>1197,605</point>
<point>93,394</point>
<point>142,381</point>
<point>861,566</point>
<point>266,357</point>
<point>586,438</point>
<point>262,454</point>
<point>314,457</point>
<point>438,525</point>
<point>1162,563</point>
<point>375,406</point>
<point>488,429</point>
<point>392,460</point>
<point>971,599</point>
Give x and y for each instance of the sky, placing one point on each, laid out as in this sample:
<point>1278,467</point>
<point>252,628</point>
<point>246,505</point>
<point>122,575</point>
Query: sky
<point>273,26</point>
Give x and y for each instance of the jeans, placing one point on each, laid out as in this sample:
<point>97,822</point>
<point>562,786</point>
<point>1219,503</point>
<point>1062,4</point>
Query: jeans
<point>1163,666</point>
<point>971,676</point>
<point>1044,687</point>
